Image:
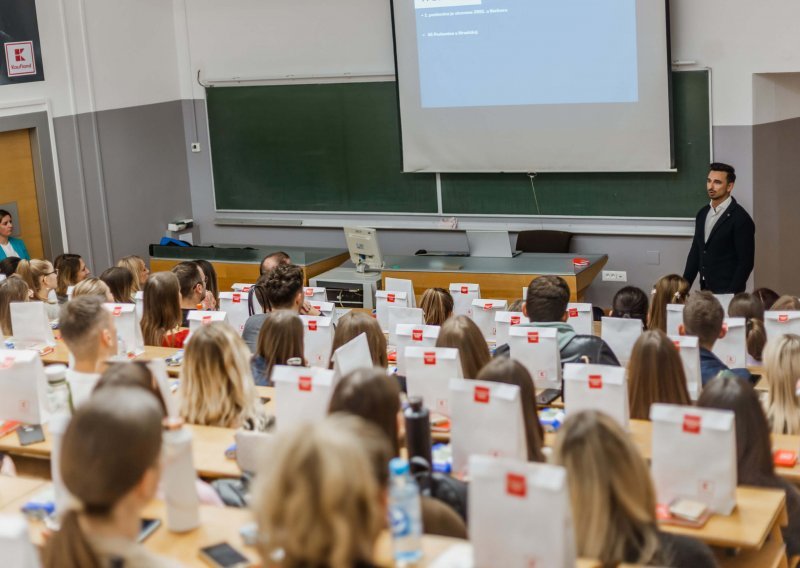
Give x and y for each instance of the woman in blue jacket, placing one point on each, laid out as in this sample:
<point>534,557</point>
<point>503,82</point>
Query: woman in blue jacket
<point>10,246</point>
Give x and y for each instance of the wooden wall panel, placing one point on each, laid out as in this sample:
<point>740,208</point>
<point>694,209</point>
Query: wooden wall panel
<point>17,184</point>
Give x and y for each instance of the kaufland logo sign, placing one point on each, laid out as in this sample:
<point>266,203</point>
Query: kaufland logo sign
<point>19,58</point>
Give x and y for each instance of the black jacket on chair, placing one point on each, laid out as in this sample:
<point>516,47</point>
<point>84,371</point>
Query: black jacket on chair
<point>725,261</point>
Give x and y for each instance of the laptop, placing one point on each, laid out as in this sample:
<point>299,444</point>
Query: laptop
<point>490,244</point>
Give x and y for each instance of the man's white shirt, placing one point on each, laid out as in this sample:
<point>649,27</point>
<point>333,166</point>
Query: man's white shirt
<point>714,214</point>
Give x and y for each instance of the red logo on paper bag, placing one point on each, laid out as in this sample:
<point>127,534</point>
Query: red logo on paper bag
<point>416,335</point>
<point>783,318</point>
<point>7,363</point>
<point>429,358</point>
<point>237,298</point>
<point>514,320</point>
<point>516,485</point>
<point>482,395</point>
<point>304,384</point>
<point>691,423</point>
<point>488,306</point>
<point>595,381</point>
<point>542,374</point>
<point>19,58</point>
<point>246,289</point>
<point>390,298</point>
<point>573,312</point>
<point>465,289</point>
<point>309,291</point>
<point>312,325</point>
<point>117,311</point>
<point>533,337</point>
<point>206,320</point>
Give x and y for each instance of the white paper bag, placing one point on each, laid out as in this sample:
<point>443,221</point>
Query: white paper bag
<point>504,321</point>
<point>70,290</point>
<point>776,323</point>
<point>138,299</point>
<point>407,335</point>
<point>241,287</point>
<point>199,318</point>
<point>580,317</point>
<point>314,294</point>
<point>16,547</point>
<point>304,394</point>
<point>245,288</point>
<point>519,514</point>
<point>401,285</point>
<point>674,318</point>
<point>23,387</point>
<point>463,294</point>
<point>353,355</point>
<point>127,328</point>
<point>689,348</point>
<point>694,455</point>
<point>384,300</point>
<point>725,300</point>
<point>620,334</point>
<point>327,309</point>
<point>486,419</point>
<point>484,313</point>
<point>403,316</point>
<point>318,340</point>
<point>30,324</point>
<point>235,305</point>
<point>537,349</point>
<point>428,374</point>
<point>596,387</point>
<point>732,349</point>
<point>253,449</point>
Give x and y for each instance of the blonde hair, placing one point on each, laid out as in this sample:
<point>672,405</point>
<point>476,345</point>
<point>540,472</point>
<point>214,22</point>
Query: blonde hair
<point>464,334</point>
<point>782,367</point>
<point>655,374</point>
<point>91,287</point>
<point>670,289</point>
<point>613,500</point>
<point>437,305</point>
<point>351,325</point>
<point>12,289</point>
<point>136,265</point>
<point>319,504</point>
<point>216,382</point>
<point>32,272</point>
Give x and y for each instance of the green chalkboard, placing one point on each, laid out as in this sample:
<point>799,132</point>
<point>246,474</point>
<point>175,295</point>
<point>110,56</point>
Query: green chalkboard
<point>325,147</point>
<point>669,194</point>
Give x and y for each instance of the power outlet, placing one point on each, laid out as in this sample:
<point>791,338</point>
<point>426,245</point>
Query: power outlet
<point>195,147</point>
<point>614,276</point>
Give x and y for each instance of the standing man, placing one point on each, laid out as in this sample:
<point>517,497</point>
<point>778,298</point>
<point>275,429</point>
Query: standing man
<point>723,246</point>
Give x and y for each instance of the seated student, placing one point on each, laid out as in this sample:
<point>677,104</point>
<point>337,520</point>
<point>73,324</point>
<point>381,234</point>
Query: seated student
<point>268,263</point>
<point>216,383</point>
<point>749,306</point>
<point>703,317</point>
<point>138,268</point>
<point>8,265</point>
<point>374,397</point>
<point>12,289</point>
<point>280,342</point>
<point>753,446</point>
<point>516,305</point>
<point>630,302</point>
<point>211,282</point>
<point>655,374</point>
<point>161,312</point>
<point>88,330</point>
<point>463,334</point>
<point>42,278</point>
<point>282,289</point>
<point>786,303</point>
<point>121,282</point>
<point>437,305</point>
<point>92,287</point>
<point>319,502</point>
<point>111,463</point>
<point>782,367</point>
<point>192,287</point>
<point>351,325</point>
<point>767,296</point>
<point>670,289</point>
<point>511,372</point>
<point>613,499</point>
<point>71,270</point>
<point>546,306</point>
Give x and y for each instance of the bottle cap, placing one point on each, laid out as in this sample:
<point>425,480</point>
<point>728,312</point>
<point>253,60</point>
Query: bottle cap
<point>415,402</point>
<point>398,466</point>
<point>55,373</point>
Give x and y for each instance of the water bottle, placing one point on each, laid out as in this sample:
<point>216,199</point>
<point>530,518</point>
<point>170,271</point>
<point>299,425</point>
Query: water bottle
<point>405,514</point>
<point>59,396</point>
<point>63,499</point>
<point>418,430</point>
<point>180,491</point>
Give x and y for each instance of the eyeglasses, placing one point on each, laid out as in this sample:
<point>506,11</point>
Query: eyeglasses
<point>54,272</point>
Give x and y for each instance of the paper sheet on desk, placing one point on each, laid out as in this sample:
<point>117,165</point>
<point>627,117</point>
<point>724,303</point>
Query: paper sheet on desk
<point>457,556</point>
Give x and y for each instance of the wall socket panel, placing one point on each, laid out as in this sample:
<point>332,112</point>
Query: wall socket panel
<point>615,276</point>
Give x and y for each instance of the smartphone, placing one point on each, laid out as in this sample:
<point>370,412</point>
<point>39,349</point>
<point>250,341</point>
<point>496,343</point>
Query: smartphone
<point>148,527</point>
<point>223,555</point>
<point>30,434</point>
<point>547,396</point>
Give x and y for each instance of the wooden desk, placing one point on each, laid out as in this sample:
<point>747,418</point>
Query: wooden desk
<point>499,278</point>
<point>14,489</point>
<point>61,355</point>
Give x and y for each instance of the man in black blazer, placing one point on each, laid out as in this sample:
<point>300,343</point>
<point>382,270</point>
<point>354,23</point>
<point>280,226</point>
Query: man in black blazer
<point>723,246</point>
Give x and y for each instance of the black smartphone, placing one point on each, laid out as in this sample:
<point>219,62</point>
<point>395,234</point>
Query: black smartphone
<point>223,555</point>
<point>30,434</point>
<point>148,527</point>
<point>547,396</point>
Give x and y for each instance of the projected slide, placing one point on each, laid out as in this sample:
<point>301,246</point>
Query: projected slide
<point>526,52</point>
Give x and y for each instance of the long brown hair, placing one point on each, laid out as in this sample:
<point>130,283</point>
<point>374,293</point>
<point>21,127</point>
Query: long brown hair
<point>161,309</point>
<point>749,306</point>
<point>462,333</point>
<point>69,267</point>
<point>351,325</point>
<point>12,289</point>
<point>112,441</point>
<point>512,372</point>
<point>372,395</point>
<point>437,305</point>
<point>121,282</point>
<point>281,338</point>
<point>670,289</point>
<point>655,374</point>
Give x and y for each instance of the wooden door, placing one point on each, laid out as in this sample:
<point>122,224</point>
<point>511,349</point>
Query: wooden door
<point>17,185</point>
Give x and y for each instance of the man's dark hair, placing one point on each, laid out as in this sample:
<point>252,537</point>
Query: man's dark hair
<point>720,167</point>
<point>630,302</point>
<point>703,316</point>
<point>188,274</point>
<point>278,256</point>
<point>282,284</point>
<point>547,300</point>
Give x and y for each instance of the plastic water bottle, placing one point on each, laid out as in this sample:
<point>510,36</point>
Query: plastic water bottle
<point>418,430</point>
<point>59,396</point>
<point>405,514</point>
<point>180,491</point>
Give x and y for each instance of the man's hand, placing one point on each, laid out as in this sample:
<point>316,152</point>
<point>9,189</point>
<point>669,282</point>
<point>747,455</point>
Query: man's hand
<point>308,310</point>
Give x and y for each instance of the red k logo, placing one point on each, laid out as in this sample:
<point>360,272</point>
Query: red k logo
<point>18,54</point>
